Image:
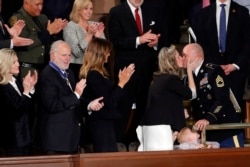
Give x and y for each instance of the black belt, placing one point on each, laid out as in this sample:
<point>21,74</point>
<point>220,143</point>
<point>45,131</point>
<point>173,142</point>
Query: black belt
<point>29,65</point>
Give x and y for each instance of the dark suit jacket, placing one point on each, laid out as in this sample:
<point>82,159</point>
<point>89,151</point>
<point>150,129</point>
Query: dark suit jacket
<point>165,102</point>
<point>60,117</point>
<point>4,38</point>
<point>123,32</point>
<point>14,121</point>
<point>98,86</point>
<point>237,42</point>
<point>213,101</point>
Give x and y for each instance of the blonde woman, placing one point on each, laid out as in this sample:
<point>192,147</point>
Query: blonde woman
<point>80,30</point>
<point>165,112</point>
<point>16,101</point>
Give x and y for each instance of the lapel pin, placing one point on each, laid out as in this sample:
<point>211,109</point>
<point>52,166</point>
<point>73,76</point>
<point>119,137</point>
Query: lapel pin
<point>152,23</point>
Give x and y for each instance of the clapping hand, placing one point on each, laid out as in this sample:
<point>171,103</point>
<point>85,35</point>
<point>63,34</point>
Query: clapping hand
<point>29,82</point>
<point>99,30</point>
<point>16,29</point>
<point>80,86</point>
<point>96,104</point>
<point>125,74</point>
<point>56,26</point>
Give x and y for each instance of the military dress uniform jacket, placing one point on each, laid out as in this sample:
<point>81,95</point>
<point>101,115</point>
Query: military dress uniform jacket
<point>35,29</point>
<point>213,101</point>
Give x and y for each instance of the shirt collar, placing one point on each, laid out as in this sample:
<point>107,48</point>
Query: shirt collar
<point>196,71</point>
<point>227,3</point>
<point>13,80</point>
<point>132,7</point>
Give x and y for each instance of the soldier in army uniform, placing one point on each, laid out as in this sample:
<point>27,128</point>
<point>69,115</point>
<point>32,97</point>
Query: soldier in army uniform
<point>215,103</point>
<point>39,29</point>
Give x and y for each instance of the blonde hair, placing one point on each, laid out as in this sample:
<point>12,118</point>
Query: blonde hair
<point>167,61</point>
<point>94,57</point>
<point>77,6</point>
<point>183,135</point>
<point>7,57</point>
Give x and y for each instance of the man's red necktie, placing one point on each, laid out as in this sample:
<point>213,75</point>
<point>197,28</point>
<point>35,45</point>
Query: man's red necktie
<point>138,21</point>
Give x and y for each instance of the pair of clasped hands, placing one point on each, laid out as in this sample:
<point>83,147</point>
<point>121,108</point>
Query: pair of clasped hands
<point>150,38</point>
<point>29,82</point>
<point>95,29</point>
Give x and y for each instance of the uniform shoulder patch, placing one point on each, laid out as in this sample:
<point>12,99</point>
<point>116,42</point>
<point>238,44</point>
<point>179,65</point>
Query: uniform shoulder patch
<point>220,81</point>
<point>13,20</point>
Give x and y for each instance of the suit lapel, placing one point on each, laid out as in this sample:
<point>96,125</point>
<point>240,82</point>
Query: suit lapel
<point>232,21</point>
<point>3,30</point>
<point>19,86</point>
<point>146,18</point>
<point>214,30</point>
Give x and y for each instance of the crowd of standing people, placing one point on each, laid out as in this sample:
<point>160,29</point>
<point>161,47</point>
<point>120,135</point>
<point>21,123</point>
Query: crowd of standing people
<point>59,95</point>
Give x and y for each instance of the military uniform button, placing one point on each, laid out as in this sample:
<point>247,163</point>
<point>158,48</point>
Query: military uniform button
<point>203,112</point>
<point>224,115</point>
<point>201,106</point>
<point>42,54</point>
<point>198,99</point>
<point>79,124</point>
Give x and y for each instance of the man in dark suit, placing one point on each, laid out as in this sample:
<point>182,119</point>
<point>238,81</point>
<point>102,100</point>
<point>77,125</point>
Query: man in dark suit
<point>60,120</point>
<point>213,104</point>
<point>140,48</point>
<point>39,29</point>
<point>234,57</point>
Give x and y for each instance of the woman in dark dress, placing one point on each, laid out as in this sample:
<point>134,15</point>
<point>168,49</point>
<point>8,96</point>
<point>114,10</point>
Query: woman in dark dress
<point>165,112</point>
<point>101,125</point>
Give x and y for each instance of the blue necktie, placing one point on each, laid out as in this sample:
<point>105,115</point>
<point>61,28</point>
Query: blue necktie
<point>222,28</point>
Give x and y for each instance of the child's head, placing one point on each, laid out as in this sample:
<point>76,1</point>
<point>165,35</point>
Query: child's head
<point>187,135</point>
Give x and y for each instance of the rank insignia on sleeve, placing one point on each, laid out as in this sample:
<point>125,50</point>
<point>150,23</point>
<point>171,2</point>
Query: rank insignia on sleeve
<point>220,82</point>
